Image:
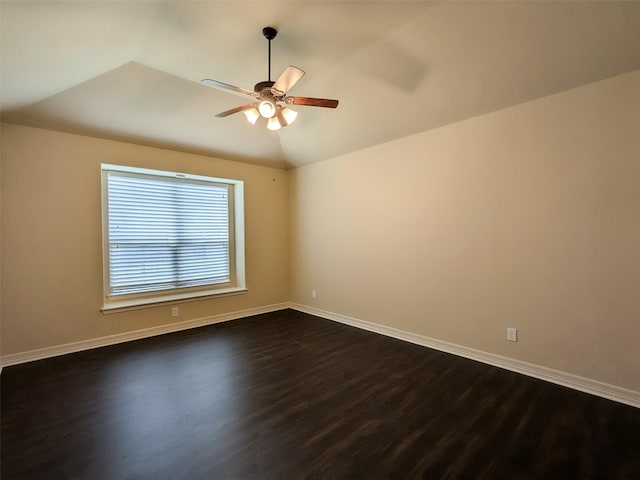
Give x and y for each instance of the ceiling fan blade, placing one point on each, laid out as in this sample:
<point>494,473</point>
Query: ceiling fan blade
<point>312,102</point>
<point>241,108</point>
<point>225,86</point>
<point>287,80</point>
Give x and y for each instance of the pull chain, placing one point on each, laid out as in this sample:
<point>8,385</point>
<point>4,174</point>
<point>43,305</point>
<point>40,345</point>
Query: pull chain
<point>273,156</point>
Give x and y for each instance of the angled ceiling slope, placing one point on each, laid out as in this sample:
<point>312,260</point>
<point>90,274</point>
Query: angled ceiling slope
<point>130,70</point>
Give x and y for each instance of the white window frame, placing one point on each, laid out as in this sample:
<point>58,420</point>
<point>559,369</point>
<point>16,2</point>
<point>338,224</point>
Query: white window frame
<point>113,303</point>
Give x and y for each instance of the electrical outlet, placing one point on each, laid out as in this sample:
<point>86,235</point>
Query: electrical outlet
<point>313,294</point>
<point>512,334</point>
<point>175,312</point>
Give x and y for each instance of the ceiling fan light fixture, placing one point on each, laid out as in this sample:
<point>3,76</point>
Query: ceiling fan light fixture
<point>289,115</point>
<point>273,124</point>
<point>252,115</point>
<point>267,108</point>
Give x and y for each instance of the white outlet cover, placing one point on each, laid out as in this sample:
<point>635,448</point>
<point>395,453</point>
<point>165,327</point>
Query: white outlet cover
<point>512,334</point>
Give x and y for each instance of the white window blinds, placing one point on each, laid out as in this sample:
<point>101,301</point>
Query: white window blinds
<point>167,233</point>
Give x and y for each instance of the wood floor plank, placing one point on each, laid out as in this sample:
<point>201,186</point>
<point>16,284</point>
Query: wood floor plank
<point>286,395</point>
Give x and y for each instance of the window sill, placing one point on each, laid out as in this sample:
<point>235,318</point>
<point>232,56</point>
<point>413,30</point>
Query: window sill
<point>140,303</point>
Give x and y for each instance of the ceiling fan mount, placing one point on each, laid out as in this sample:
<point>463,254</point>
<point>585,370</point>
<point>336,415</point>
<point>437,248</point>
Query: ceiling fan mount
<point>270,98</point>
<point>269,33</point>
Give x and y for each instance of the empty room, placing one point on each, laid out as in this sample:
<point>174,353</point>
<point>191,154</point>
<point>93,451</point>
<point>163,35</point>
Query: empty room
<point>324,240</point>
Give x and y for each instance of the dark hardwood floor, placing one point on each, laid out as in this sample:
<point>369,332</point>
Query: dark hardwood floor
<point>288,396</point>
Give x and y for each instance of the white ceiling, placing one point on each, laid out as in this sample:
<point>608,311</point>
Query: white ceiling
<point>130,70</point>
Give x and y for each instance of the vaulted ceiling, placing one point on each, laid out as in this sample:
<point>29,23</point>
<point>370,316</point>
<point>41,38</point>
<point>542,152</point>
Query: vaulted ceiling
<point>130,70</point>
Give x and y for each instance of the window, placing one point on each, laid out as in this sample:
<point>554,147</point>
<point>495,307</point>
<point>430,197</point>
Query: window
<point>170,236</point>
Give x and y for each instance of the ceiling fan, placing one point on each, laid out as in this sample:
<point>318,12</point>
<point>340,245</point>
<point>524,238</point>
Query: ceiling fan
<point>270,98</point>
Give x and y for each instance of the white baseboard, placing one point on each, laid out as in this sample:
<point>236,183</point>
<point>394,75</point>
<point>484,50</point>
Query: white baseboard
<point>41,353</point>
<point>587,385</point>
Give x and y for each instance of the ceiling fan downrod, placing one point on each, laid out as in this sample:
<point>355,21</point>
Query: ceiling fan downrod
<point>269,33</point>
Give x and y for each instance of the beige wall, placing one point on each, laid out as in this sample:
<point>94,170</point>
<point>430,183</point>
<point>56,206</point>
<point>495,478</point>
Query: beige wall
<point>528,217</point>
<point>51,237</point>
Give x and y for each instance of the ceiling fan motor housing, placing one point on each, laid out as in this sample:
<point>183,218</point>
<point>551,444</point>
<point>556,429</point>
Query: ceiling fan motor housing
<point>261,86</point>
